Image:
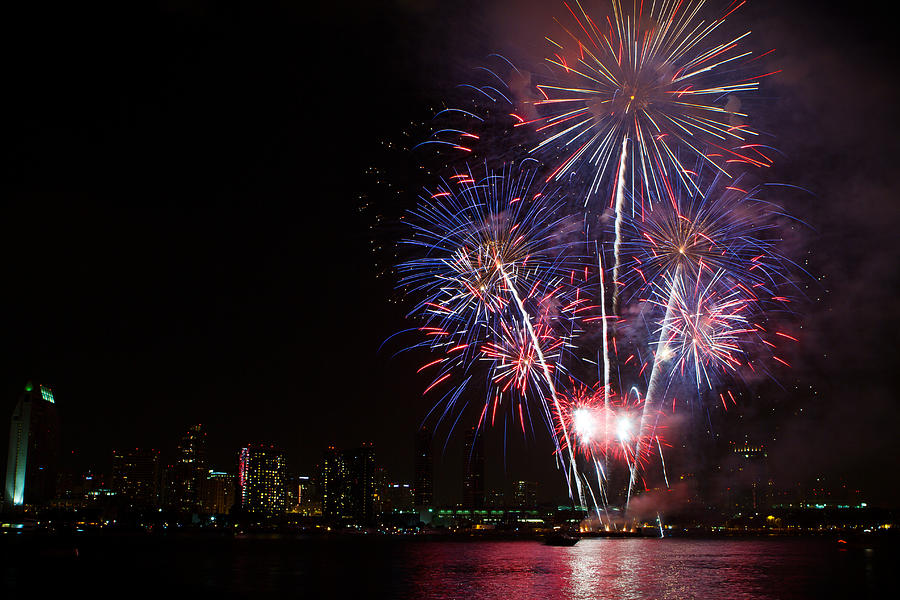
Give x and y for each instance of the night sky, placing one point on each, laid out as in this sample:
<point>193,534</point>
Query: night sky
<point>188,235</point>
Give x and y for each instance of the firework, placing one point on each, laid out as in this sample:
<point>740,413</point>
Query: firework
<point>709,329</point>
<point>482,122</point>
<point>582,411</point>
<point>656,77</point>
<point>604,425</point>
<point>498,280</point>
<point>708,262</point>
<point>480,239</point>
<point>723,228</point>
<point>517,357</point>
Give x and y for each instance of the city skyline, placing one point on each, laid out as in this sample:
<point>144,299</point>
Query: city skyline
<point>351,486</point>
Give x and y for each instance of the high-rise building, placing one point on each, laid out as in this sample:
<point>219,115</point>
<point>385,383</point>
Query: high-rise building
<point>33,458</point>
<point>495,499</point>
<point>218,493</point>
<point>309,504</point>
<point>291,491</point>
<point>188,473</point>
<point>332,479</point>
<point>135,476</point>
<point>349,486</point>
<point>399,497</point>
<point>262,479</point>
<point>423,484</point>
<point>525,494</point>
<point>361,488</point>
<point>748,476</point>
<point>473,464</point>
<point>380,492</point>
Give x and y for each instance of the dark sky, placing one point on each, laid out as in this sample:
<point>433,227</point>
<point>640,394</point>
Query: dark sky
<point>183,243</point>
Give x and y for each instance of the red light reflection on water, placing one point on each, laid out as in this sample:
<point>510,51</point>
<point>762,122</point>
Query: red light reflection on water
<point>631,568</point>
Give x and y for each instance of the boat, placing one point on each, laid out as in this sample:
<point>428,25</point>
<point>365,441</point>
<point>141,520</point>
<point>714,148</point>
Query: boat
<point>561,539</point>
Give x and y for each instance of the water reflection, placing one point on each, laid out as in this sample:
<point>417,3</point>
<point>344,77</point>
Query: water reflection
<point>381,567</point>
<point>635,569</point>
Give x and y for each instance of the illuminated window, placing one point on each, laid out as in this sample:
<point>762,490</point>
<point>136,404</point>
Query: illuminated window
<point>47,393</point>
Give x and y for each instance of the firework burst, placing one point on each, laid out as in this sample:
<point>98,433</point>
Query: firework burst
<point>516,356</point>
<point>724,228</point>
<point>477,238</point>
<point>657,77</point>
<point>500,283</point>
<point>605,426</point>
<point>710,330</point>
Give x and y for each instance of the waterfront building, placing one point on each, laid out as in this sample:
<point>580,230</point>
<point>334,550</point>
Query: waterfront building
<point>361,487</point>
<point>473,464</point>
<point>33,457</point>
<point>349,487</point>
<point>262,479</point>
<point>748,488</point>
<point>525,494</point>
<point>309,500</point>
<point>423,484</point>
<point>218,493</point>
<point>186,475</point>
<point>135,476</point>
<point>400,497</point>
<point>332,477</point>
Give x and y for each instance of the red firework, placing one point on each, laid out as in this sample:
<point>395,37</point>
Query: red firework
<point>600,424</point>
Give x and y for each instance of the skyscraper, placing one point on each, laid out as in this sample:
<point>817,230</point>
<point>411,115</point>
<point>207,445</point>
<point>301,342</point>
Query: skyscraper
<point>218,493</point>
<point>186,476</point>
<point>473,464</point>
<point>135,476</point>
<point>262,479</point>
<point>495,498</point>
<point>361,485</point>
<point>399,497</point>
<point>309,504</point>
<point>525,494</point>
<point>348,481</point>
<point>748,476</point>
<point>332,478</point>
<point>33,447</point>
<point>423,486</point>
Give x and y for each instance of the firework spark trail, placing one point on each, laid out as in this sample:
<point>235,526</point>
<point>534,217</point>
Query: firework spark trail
<point>587,484</point>
<point>617,246</point>
<point>606,365</point>
<point>620,209</point>
<point>604,429</point>
<point>663,355</point>
<point>662,460</point>
<point>546,371</point>
<point>601,482</point>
